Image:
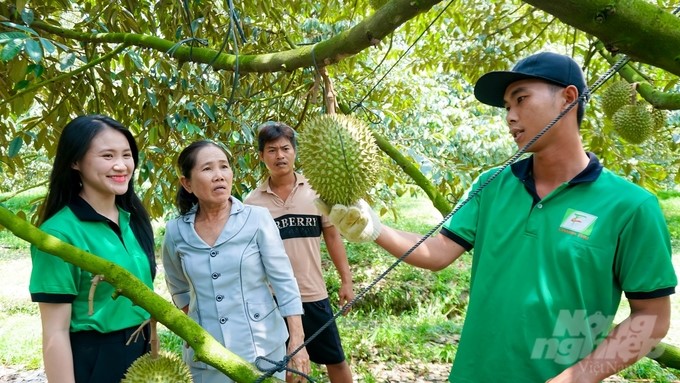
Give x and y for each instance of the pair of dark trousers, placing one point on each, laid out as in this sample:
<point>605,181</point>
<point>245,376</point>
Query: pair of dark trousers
<point>104,357</point>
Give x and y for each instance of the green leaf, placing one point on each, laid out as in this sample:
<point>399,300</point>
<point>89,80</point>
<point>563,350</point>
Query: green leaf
<point>62,46</point>
<point>14,147</point>
<point>27,16</point>
<point>34,50</point>
<point>9,36</point>
<point>47,45</point>
<point>67,61</point>
<point>20,27</point>
<point>134,56</point>
<point>37,69</point>
<point>195,24</point>
<point>152,98</point>
<point>181,125</point>
<point>21,85</point>
<point>10,50</point>
<point>208,111</point>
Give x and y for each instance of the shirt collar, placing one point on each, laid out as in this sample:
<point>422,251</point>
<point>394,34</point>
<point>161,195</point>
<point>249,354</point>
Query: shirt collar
<point>523,170</point>
<point>236,207</point>
<point>265,188</point>
<point>84,212</point>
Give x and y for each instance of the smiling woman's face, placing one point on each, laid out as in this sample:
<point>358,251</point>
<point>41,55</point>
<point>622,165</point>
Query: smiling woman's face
<point>211,176</point>
<point>107,167</point>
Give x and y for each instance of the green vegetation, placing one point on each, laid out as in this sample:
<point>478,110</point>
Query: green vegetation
<point>408,320</point>
<point>649,370</point>
<point>670,203</point>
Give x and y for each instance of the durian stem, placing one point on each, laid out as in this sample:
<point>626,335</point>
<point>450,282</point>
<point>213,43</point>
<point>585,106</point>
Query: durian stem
<point>153,339</point>
<point>633,92</point>
<point>329,98</point>
<point>90,297</point>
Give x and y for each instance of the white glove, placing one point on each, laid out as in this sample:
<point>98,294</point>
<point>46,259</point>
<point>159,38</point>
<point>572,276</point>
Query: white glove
<point>357,223</point>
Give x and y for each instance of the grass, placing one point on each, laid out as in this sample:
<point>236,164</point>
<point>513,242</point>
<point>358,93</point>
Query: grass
<point>408,321</point>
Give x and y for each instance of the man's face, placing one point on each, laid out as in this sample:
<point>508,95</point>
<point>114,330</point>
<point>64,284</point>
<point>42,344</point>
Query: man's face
<point>531,105</point>
<point>279,156</point>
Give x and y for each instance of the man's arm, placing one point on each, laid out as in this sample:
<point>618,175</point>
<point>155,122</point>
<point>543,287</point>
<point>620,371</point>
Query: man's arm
<point>435,253</point>
<point>336,250</point>
<point>628,342</point>
<point>359,223</point>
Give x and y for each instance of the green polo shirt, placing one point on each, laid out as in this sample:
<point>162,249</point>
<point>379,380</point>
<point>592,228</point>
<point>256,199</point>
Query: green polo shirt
<point>547,274</point>
<point>55,281</point>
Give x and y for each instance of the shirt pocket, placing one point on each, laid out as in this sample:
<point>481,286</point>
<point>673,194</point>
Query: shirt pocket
<point>267,326</point>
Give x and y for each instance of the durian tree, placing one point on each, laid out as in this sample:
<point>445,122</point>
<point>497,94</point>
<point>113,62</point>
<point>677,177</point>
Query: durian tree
<point>176,71</point>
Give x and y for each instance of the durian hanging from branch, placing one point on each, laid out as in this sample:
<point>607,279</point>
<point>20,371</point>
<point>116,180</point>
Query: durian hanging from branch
<point>633,121</point>
<point>339,157</point>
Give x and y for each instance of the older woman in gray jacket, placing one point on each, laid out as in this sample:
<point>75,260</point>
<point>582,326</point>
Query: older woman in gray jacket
<point>220,258</point>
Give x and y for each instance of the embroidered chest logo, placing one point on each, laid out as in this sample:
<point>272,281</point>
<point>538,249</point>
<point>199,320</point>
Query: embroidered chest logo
<point>578,223</point>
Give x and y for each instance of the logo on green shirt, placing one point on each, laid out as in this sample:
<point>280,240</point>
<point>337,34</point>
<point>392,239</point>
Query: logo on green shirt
<point>578,223</point>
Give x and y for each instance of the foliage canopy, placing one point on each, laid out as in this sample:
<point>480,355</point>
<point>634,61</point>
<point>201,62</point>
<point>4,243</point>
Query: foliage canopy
<point>177,71</point>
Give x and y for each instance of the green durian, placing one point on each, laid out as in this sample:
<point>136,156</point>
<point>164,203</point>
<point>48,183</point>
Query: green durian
<point>166,368</point>
<point>659,117</point>
<point>339,157</point>
<point>634,123</point>
<point>616,96</point>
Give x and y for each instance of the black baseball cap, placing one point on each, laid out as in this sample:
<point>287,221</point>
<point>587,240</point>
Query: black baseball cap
<point>552,67</point>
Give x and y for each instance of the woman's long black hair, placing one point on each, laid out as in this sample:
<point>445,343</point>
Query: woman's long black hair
<point>65,183</point>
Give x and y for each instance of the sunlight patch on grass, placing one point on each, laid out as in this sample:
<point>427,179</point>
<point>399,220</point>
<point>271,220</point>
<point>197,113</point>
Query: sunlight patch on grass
<point>20,341</point>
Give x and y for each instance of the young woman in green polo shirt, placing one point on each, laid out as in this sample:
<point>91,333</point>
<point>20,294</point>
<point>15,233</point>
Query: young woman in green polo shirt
<point>92,205</point>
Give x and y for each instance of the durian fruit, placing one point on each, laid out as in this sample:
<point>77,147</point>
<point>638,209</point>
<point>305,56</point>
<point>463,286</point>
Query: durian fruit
<point>166,368</point>
<point>659,117</point>
<point>339,157</point>
<point>634,123</point>
<point>616,96</point>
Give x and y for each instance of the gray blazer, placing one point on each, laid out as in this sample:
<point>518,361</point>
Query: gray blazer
<point>227,286</point>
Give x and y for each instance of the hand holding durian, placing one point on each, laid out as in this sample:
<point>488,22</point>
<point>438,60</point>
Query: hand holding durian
<point>341,160</point>
<point>357,222</point>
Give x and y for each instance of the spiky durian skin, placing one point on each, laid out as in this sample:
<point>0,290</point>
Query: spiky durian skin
<point>659,117</point>
<point>615,97</point>
<point>634,123</point>
<point>167,368</point>
<point>339,157</point>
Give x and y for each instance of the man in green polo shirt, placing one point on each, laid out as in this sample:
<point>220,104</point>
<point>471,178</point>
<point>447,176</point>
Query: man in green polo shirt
<point>557,239</point>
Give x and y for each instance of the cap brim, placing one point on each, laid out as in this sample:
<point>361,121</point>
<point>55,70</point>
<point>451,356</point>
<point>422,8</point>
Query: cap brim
<point>490,88</point>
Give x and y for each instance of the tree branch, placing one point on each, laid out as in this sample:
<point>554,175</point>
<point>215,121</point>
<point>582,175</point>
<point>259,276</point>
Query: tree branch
<point>656,36</point>
<point>438,200</point>
<point>206,347</point>
<point>659,99</point>
<point>365,34</point>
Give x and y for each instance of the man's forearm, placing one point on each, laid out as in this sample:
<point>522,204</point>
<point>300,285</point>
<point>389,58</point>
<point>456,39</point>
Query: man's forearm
<point>627,343</point>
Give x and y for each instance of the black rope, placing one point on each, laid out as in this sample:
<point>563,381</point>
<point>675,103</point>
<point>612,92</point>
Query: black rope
<point>187,19</point>
<point>584,98</point>
<point>279,366</point>
<point>232,32</point>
